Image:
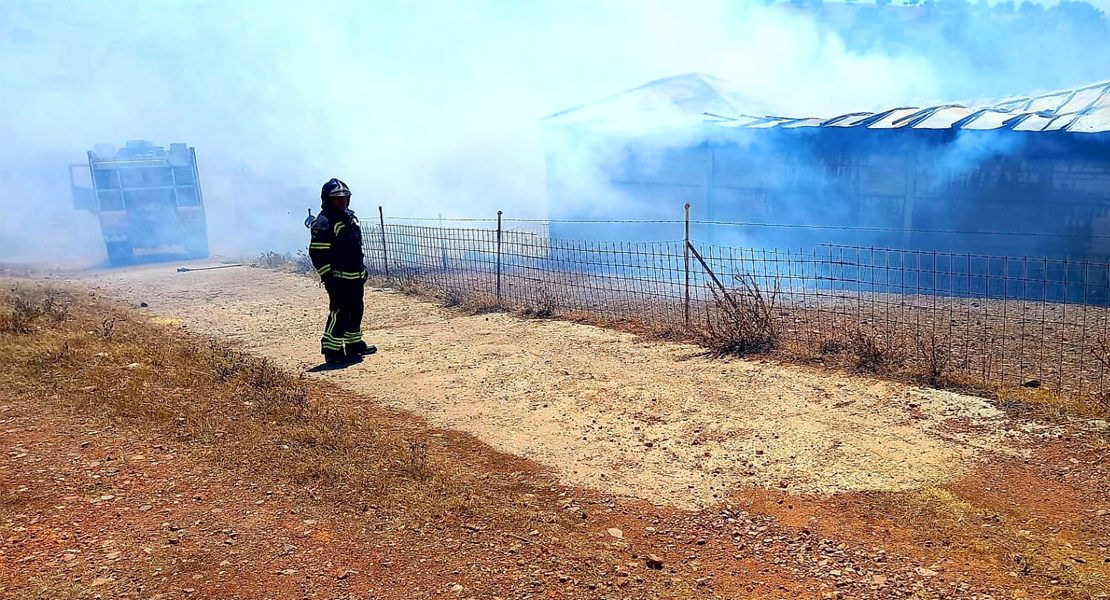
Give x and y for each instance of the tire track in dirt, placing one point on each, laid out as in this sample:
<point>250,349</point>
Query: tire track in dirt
<point>602,409</point>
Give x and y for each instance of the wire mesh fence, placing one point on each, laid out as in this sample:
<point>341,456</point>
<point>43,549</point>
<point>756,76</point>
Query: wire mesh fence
<point>973,318</point>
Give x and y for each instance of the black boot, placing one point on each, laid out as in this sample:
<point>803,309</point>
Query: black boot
<point>335,357</point>
<point>360,349</point>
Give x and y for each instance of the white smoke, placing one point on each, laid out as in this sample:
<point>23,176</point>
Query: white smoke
<point>424,107</point>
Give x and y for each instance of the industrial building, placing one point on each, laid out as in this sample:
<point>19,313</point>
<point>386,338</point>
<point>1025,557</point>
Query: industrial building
<point>1023,176</point>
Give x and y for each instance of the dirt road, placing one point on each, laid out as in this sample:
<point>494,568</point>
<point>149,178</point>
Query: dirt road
<point>660,422</point>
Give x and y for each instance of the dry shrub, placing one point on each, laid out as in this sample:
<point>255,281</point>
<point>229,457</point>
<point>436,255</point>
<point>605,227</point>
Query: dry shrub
<point>874,352</point>
<point>934,351</point>
<point>480,303</point>
<point>299,262</point>
<point>742,322</point>
<point>414,462</point>
<point>543,307</point>
<point>830,346</point>
<point>24,306</point>
<point>406,285</point>
<point>453,298</point>
<point>272,260</point>
<point>1101,351</point>
<point>107,327</point>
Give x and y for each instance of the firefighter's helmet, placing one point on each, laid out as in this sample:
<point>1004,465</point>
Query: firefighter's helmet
<point>334,187</point>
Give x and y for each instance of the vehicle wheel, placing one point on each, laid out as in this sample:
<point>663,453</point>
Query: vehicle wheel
<point>120,253</point>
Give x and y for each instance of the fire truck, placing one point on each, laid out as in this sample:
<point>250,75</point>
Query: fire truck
<point>146,197</point>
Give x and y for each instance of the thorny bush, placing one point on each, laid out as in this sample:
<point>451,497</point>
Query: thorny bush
<point>742,322</point>
<point>875,352</point>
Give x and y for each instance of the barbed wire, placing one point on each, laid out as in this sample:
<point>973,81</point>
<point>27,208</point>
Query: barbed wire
<point>752,224</point>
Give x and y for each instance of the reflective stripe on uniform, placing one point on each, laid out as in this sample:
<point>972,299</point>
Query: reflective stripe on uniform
<point>338,226</point>
<point>324,269</point>
<point>354,337</point>
<point>350,274</point>
<point>319,246</point>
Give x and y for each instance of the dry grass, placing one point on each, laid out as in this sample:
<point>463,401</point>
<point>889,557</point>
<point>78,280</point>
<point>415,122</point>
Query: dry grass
<point>750,320</point>
<point>25,308</point>
<point>290,263</point>
<point>934,354</point>
<point>257,418</point>
<point>875,351</point>
<point>1021,552</point>
<point>543,305</point>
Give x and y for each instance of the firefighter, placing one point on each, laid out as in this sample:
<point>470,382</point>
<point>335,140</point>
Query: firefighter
<point>336,253</point>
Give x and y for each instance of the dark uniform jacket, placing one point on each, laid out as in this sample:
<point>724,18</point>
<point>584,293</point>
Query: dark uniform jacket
<point>336,246</point>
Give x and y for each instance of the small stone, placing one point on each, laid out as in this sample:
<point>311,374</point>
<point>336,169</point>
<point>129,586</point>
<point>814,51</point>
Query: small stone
<point>145,507</point>
<point>1031,383</point>
<point>112,555</point>
<point>456,588</point>
<point>926,572</point>
<point>654,562</point>
<point>617,533</point>
<point>99,581</point>
<point>143,305</point>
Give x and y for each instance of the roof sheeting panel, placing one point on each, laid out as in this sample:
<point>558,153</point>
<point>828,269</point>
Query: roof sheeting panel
<point>849,120</point>
<point>894,119</point>
<point>698,99</point>
<point>944,118</point>
<point>1095,121</point>
<point>1033,123</point>
<point>988,119</point>
<point>1050,103</point>
<point>803,123</point>
<point>1059,123</point>
<point>1084,99</point>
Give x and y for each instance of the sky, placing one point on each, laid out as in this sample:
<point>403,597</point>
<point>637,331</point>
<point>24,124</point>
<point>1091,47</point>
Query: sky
<point>422,107</point>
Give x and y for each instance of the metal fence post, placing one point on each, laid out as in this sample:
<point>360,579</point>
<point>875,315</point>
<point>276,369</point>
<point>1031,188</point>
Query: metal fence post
<point>499,255</point>
<point>686,264</point>
<point>385,255</point>
<point>442,244</point>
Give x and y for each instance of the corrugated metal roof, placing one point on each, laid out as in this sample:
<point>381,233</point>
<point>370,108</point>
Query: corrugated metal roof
<point>698,99</point>
<point>1080,110</point>
<point>667,103</point>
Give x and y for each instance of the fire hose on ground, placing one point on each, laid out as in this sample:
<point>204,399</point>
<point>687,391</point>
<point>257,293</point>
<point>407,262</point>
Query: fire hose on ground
<point>189,269</point>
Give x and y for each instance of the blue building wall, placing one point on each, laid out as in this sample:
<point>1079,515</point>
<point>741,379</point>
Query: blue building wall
<point>893,188</point>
